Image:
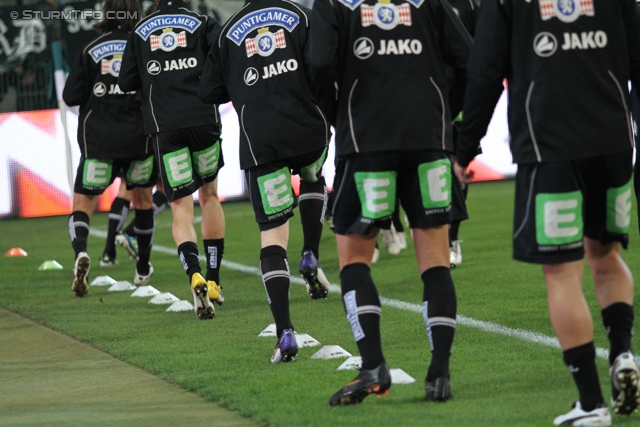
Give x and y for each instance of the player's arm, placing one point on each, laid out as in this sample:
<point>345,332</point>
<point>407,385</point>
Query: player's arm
<point>488,67</point>
<point>455,45</point>
<point>631,16</point>
<point>129,77</point>
<point>322,55</point>
<point>212,89</point>
<point>74,92</point>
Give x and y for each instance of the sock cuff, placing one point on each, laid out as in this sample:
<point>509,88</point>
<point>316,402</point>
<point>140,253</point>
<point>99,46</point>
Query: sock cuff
<point>79,216</point>
<point>159,198</point>
<point>616,311</point>
<point>184,247</point>
<point>119,203</point>
<point>355,268</point>
<point>576,354</point>
<point>436,274</point>
<point>273,250</point>
<point>214,242</point>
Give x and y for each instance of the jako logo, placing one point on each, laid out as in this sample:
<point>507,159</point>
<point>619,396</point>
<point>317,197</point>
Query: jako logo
<point>280,68</point>
<point>400,47</point>
<point>363,48</point>
<point>99,89</point>
<point>545,44</point>
<point>250,76</point>
<point>586,40</point>
<point>153,67</point>
<point>180,64</point>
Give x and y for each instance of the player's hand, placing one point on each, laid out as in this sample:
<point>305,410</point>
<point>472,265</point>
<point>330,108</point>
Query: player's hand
<point>464,175</point>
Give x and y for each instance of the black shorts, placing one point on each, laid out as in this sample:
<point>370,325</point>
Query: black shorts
<point>270,188</point>
<point>188,158</point>
<point>559,203</point>
<point>95,175</point>
<point>459,199</point>
<point>368,185</point>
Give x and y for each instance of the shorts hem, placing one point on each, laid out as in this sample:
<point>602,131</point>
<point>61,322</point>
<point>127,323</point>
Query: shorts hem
<point>537,259</point>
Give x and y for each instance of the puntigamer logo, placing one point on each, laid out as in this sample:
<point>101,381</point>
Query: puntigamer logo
<point>262,18</point>
<point>185,22</point>
<point>107,48</point>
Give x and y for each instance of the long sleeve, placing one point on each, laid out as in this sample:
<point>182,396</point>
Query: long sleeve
<point>212,89</point>
<point>74,92</point>
<point>322,56</point>
<point>631,14</point>
<point>488,66</point>
<point>129,77</point>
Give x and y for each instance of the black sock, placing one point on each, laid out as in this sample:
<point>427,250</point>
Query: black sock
<point>117,217</point>
<point>582,364</point>
<point>129,230</point>
<point>144,228</point>
<point>313,204</point>
<point>160,203</point>
<point>453,231</point>
<point>213,250</point>
<point>79,231</point>
<point>362,304</point>
<point>439,308</point>
<point>618,321</point>
<point>276,279</point>
<point>188,253</point>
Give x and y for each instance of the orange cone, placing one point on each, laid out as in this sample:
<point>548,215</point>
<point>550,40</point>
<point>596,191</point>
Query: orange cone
<point>16,252</point>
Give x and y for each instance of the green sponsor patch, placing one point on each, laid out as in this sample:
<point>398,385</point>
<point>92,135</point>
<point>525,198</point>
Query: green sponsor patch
<point>178,167</point>
<point>97,173</point>
<point>619,209</point>
<point>206,161</point>
<point>310,173</point>
<point>435,184</point>
<point>559,218</point>
<point>140,171</point>
<point>377,191</point>
<point>275,190</point>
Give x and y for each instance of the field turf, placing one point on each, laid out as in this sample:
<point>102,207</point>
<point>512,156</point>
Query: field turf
<point>503,373</point>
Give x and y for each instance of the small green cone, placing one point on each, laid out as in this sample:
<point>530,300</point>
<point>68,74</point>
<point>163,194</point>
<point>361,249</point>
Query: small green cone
<point>50,265</point>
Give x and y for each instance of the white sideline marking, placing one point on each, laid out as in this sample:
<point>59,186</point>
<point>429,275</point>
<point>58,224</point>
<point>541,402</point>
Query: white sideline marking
<point>461,319</point>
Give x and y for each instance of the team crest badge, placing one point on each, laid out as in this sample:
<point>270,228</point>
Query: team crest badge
<point>565,10</point>
<point>111,66</point>
<point>265,43</point>
<point>385,15</point>
<point>168,40</point>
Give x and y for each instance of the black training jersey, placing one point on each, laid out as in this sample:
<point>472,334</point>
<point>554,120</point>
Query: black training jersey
<point>164,58</point>
<point>110,121</point>
<point>258,61</point>
<point>467,11</point>
<point>567,65</point>
<point>389,61</point>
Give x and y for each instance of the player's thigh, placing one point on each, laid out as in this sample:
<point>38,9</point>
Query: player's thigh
<point>365,198</point>
<point>94,176</point>
<point>177,173</point>
<point>608,198</point>
<point>549,213</point>
<point>271,194</point>
<point>425,188</point>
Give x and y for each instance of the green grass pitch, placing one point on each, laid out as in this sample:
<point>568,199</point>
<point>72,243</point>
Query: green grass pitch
<point>496,379</point>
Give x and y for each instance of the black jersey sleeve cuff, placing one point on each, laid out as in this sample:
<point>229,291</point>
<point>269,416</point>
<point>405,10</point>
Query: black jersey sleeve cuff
<point>467,150</point>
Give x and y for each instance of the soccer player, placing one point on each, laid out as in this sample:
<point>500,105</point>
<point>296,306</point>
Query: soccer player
<point>164,58</point>
<point>126,236</point>
<point>567,64</point>
<point>388,60</point>
<point>259,65</point>
<point>111,140</point>
<point>467,11</point>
